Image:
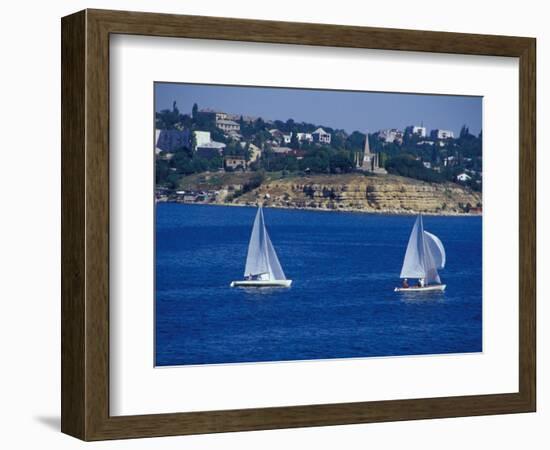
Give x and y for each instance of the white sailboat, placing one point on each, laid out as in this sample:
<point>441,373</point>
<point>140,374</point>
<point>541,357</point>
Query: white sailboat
<point>425,255</point>
<point>262,265</point>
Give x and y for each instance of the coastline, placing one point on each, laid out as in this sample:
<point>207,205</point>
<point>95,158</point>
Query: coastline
<point>388,212</point>
<point>376,194</point>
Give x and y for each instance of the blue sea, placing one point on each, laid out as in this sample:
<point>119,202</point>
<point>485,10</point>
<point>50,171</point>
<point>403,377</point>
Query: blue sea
<point>344,267</point>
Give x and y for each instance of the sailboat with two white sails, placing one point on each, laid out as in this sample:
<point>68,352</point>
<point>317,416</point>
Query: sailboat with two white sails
<point>424,256</point>
<point>262,268</point>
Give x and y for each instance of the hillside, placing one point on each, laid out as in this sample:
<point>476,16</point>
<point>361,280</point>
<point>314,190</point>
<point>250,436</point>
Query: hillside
<point>346,192</point>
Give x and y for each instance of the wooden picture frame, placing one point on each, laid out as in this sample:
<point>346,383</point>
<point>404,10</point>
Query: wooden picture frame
<point>85,224</point>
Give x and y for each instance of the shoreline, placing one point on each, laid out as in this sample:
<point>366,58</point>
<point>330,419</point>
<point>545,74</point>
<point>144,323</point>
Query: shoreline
<point>329,210</point>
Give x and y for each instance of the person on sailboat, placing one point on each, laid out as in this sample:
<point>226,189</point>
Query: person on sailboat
<point>405,284</point>
<point>421,282</point>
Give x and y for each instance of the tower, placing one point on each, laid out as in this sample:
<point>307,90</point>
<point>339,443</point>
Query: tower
<point>371,161</point>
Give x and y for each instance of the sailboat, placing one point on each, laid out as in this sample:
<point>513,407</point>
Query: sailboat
<point>425,255</point>
<point>262,267</point>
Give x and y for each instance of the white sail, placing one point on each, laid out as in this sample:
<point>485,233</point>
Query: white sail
<point>262,258</point>
<point>425,254</point>
<point>436,248</point>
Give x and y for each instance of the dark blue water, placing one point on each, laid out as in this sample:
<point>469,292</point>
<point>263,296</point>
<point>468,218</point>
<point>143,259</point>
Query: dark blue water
<point>341,303</point>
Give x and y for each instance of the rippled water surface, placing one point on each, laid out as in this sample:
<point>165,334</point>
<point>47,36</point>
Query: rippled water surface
<point>344,267</point>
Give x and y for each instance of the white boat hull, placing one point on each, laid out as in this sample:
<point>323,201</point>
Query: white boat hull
<point>261,283</point>
<point>432,288</point>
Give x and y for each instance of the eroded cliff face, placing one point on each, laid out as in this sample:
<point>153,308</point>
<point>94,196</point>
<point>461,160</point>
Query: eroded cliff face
<point>356,192</point>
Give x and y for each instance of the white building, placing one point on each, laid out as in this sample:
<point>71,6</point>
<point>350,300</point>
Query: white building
<point>463,177</point>
<point>304,137</point>
<point>419,131</point>
<point>321,136</point>
<point>284,138</point>
<point>255,151</point>
<point>216,115</point>
<point>442,134</point>
<point>201,138</point>
<point>448,161</point>
<point>391,135</point>
<point>205,145</point>
<point>228,125</point>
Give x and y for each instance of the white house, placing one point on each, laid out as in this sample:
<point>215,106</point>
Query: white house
<point>205,146</point>
<point>321,136</point>
<point>463,177</point>
<point>216,115</point>
<point>419,131</point>
<point>307,137</point>
<point>391,135</point>
<point>201,138</point>
<point>228,125</point>
<point>442,134</point>
<point>284,138</point>
<point>448,161</point>
<point>255,151</point>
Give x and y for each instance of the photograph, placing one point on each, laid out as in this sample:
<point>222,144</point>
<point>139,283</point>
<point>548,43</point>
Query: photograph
<point>296,224</point>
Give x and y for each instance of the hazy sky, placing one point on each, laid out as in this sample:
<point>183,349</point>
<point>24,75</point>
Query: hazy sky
<point>361,111</point>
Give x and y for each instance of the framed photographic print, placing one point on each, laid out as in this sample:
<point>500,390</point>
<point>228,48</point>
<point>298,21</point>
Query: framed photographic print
<point>270,224</point>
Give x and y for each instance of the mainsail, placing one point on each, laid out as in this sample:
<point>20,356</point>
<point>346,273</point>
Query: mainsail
<point>261,258</point>
<point>425,254</point>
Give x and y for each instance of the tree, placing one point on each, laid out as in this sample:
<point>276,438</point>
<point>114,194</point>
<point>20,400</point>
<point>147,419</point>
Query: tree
<point>195,111</point>
<point>464,131</point>
<point>341,162</point>
<point>290,126</point>
<point>167,119</point>
<point>408,166</point>
<point>355,141</point>
<point>294,142</point>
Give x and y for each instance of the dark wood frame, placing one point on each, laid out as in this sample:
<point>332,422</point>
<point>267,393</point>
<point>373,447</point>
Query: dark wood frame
<point>85,224</point>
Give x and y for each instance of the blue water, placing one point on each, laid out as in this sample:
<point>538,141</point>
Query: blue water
<point>341,303</point>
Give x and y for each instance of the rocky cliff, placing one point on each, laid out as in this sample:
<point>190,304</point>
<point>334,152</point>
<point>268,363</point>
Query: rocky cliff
<point>357,192</point>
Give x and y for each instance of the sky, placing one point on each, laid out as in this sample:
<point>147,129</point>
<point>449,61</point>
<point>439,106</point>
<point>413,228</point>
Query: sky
<point>348,110</point>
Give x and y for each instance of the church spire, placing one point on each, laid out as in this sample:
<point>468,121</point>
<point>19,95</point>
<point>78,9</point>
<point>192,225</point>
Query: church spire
<point>366,149</point>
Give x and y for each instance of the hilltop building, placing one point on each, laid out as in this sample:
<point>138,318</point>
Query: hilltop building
<point>463,177</point>
<point>420,131</point>
<point>228,126</point>
<point>205,147</point>
<point>235,162</point>
<point>213,114</point>
<point>368,161</point>
<point>415,130</point>
<point>391,135</point>
<point>171,140</point>
<point>304,137</point>
<point>255,151</point>
<point>201,138</point>
<point>221,119</point>
<point>283,138</point>
<point>442,134</point>
<point>320,136</point>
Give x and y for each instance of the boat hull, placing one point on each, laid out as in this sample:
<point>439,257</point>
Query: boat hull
<point>433,288</point>
<point>261,283</point>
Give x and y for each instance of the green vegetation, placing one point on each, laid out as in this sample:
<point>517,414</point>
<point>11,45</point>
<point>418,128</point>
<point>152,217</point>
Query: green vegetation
<point>407,165</point>
<point>422,158</point>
